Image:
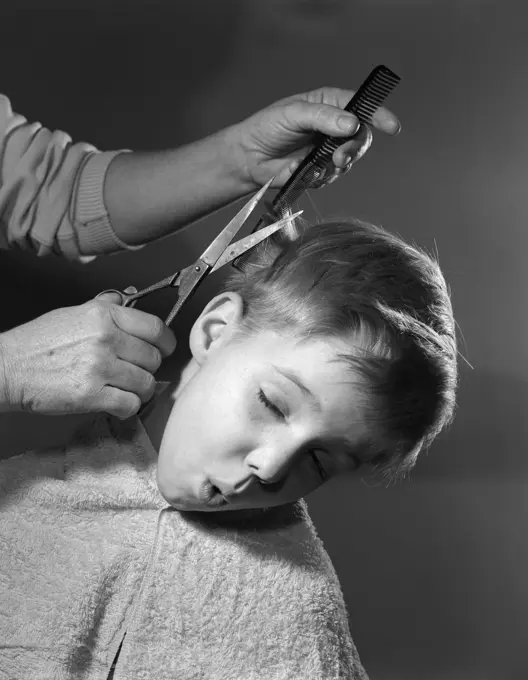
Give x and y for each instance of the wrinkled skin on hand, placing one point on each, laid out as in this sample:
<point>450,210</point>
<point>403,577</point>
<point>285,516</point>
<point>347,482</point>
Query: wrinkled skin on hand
<point>96,357</point>
<point>275,140</point>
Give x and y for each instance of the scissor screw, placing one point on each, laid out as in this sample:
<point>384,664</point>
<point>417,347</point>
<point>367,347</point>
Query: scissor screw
<point>197,268</point>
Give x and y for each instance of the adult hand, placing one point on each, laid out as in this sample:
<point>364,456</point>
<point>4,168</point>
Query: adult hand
<point>98,356</point>
<point>273,141</point>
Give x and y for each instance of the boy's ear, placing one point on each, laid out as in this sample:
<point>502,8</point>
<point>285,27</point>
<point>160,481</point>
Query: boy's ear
<point>215,325</point>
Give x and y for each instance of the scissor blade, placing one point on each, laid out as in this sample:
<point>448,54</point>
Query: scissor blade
<point>222,241</point>
<point>252,240</point>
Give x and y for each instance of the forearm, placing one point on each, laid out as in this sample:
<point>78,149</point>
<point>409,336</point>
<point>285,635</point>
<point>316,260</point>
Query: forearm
<point>152,194</point>
<point>57,196</point>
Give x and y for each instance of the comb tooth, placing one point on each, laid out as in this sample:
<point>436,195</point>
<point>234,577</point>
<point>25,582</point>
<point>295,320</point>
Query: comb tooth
<point>386,76</point>
<point>390,77</point>
<point>369,106</point>
<point>383,88</point>
<point>379,95</point>
<point>366,101</point>
<point>365,110</point>
<point>379,90</point>
<point>391,81</point>
<point>372,93</point>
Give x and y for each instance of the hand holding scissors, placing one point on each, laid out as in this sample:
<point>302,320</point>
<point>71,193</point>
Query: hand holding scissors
<point>100,356</point>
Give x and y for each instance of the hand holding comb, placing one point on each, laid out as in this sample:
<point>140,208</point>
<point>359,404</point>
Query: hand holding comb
<point>370,96</point>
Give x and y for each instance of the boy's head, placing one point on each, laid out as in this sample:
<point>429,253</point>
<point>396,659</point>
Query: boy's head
<point>334,350</point>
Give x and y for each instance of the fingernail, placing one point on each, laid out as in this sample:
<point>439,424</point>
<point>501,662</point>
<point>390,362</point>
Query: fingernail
<point>348,159</point>
<point>348,124</point>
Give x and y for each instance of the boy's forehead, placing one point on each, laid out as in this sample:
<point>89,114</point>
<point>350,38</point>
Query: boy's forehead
<point>319,363</point>
<point>325,347</point>
<point>324,352</point>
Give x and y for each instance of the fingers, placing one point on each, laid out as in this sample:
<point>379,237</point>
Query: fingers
<point>328,120</point>
<point>138,352</point>
<point>118,403</point>
<point>127,378</point>
<point>354,149</point>
<point>146,327</point>
<point>385,121</point>
<point>344,157</point>
<point>333,100</point>
<point>110,296</point>
<point>130,378</point>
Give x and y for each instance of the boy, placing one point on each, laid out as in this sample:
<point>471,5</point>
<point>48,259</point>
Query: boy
<point>335,349</point>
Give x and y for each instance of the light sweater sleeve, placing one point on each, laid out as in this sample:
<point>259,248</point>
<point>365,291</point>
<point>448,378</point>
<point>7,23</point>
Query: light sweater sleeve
<point>51,191</point>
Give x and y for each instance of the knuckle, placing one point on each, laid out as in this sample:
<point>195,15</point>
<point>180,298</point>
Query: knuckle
<point>318,95</point>
<point>96,309</point>
<point>292,109</point>
<point>102,321</point>
<point>321,113</point>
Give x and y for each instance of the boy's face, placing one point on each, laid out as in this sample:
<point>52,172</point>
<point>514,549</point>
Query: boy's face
<point>242,433</point>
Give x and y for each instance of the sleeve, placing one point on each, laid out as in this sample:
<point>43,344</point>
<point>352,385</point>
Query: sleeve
<point>51,191</point>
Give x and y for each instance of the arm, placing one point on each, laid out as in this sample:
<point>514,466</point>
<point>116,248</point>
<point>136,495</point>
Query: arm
<point>151,195</point>
<point>73,200</point>
<point>43,206</point>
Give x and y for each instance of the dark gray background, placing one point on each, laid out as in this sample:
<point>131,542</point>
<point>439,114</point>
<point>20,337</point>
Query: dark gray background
<point>433,569</point>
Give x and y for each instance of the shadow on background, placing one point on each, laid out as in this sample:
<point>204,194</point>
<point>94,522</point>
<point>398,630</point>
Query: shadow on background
<point>433,566</point>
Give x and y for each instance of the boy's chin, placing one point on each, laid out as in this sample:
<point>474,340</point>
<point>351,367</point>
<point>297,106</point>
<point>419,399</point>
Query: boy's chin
<point>184,506</point>
<point>192,504</point>
<point>195,505</point>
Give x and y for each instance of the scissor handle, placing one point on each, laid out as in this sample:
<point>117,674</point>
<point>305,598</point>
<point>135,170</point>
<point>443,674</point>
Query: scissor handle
<point>127,297</point>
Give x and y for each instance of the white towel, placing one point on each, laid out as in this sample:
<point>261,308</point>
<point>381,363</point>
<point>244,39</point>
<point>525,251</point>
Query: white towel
<point>91,557</point>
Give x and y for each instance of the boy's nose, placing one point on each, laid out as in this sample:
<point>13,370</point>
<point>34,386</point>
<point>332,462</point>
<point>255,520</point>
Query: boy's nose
<point>270,465</point>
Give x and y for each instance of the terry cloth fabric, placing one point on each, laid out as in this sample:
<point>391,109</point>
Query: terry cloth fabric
<point>92,561</point>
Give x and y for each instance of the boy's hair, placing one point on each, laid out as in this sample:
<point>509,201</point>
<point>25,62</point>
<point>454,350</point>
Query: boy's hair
<point>356,281</point>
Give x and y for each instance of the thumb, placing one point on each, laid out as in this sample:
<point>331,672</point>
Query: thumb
<point>110,296</point>
<point>115,296</point>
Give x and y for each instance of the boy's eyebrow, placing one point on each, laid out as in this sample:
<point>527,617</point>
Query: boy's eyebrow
<point>295,378</point>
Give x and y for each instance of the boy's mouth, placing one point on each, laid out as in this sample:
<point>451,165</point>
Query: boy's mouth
<point>211,496</point>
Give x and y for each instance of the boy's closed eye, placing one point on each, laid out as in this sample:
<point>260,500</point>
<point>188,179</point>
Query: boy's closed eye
<point>347,461</point>
<point>279,414</point>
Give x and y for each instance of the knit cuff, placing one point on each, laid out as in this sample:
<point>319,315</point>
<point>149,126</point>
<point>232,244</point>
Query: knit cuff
<point>90,217</point>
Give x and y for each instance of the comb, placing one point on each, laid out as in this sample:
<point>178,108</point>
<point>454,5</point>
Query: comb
<point>367,100</point>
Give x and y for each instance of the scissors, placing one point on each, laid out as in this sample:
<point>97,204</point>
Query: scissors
<point>219,253</point>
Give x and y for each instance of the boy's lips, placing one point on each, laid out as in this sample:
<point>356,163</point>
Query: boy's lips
<point>210,495</point>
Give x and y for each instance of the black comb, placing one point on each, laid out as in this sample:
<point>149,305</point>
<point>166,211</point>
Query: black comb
<point>370,96</point>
